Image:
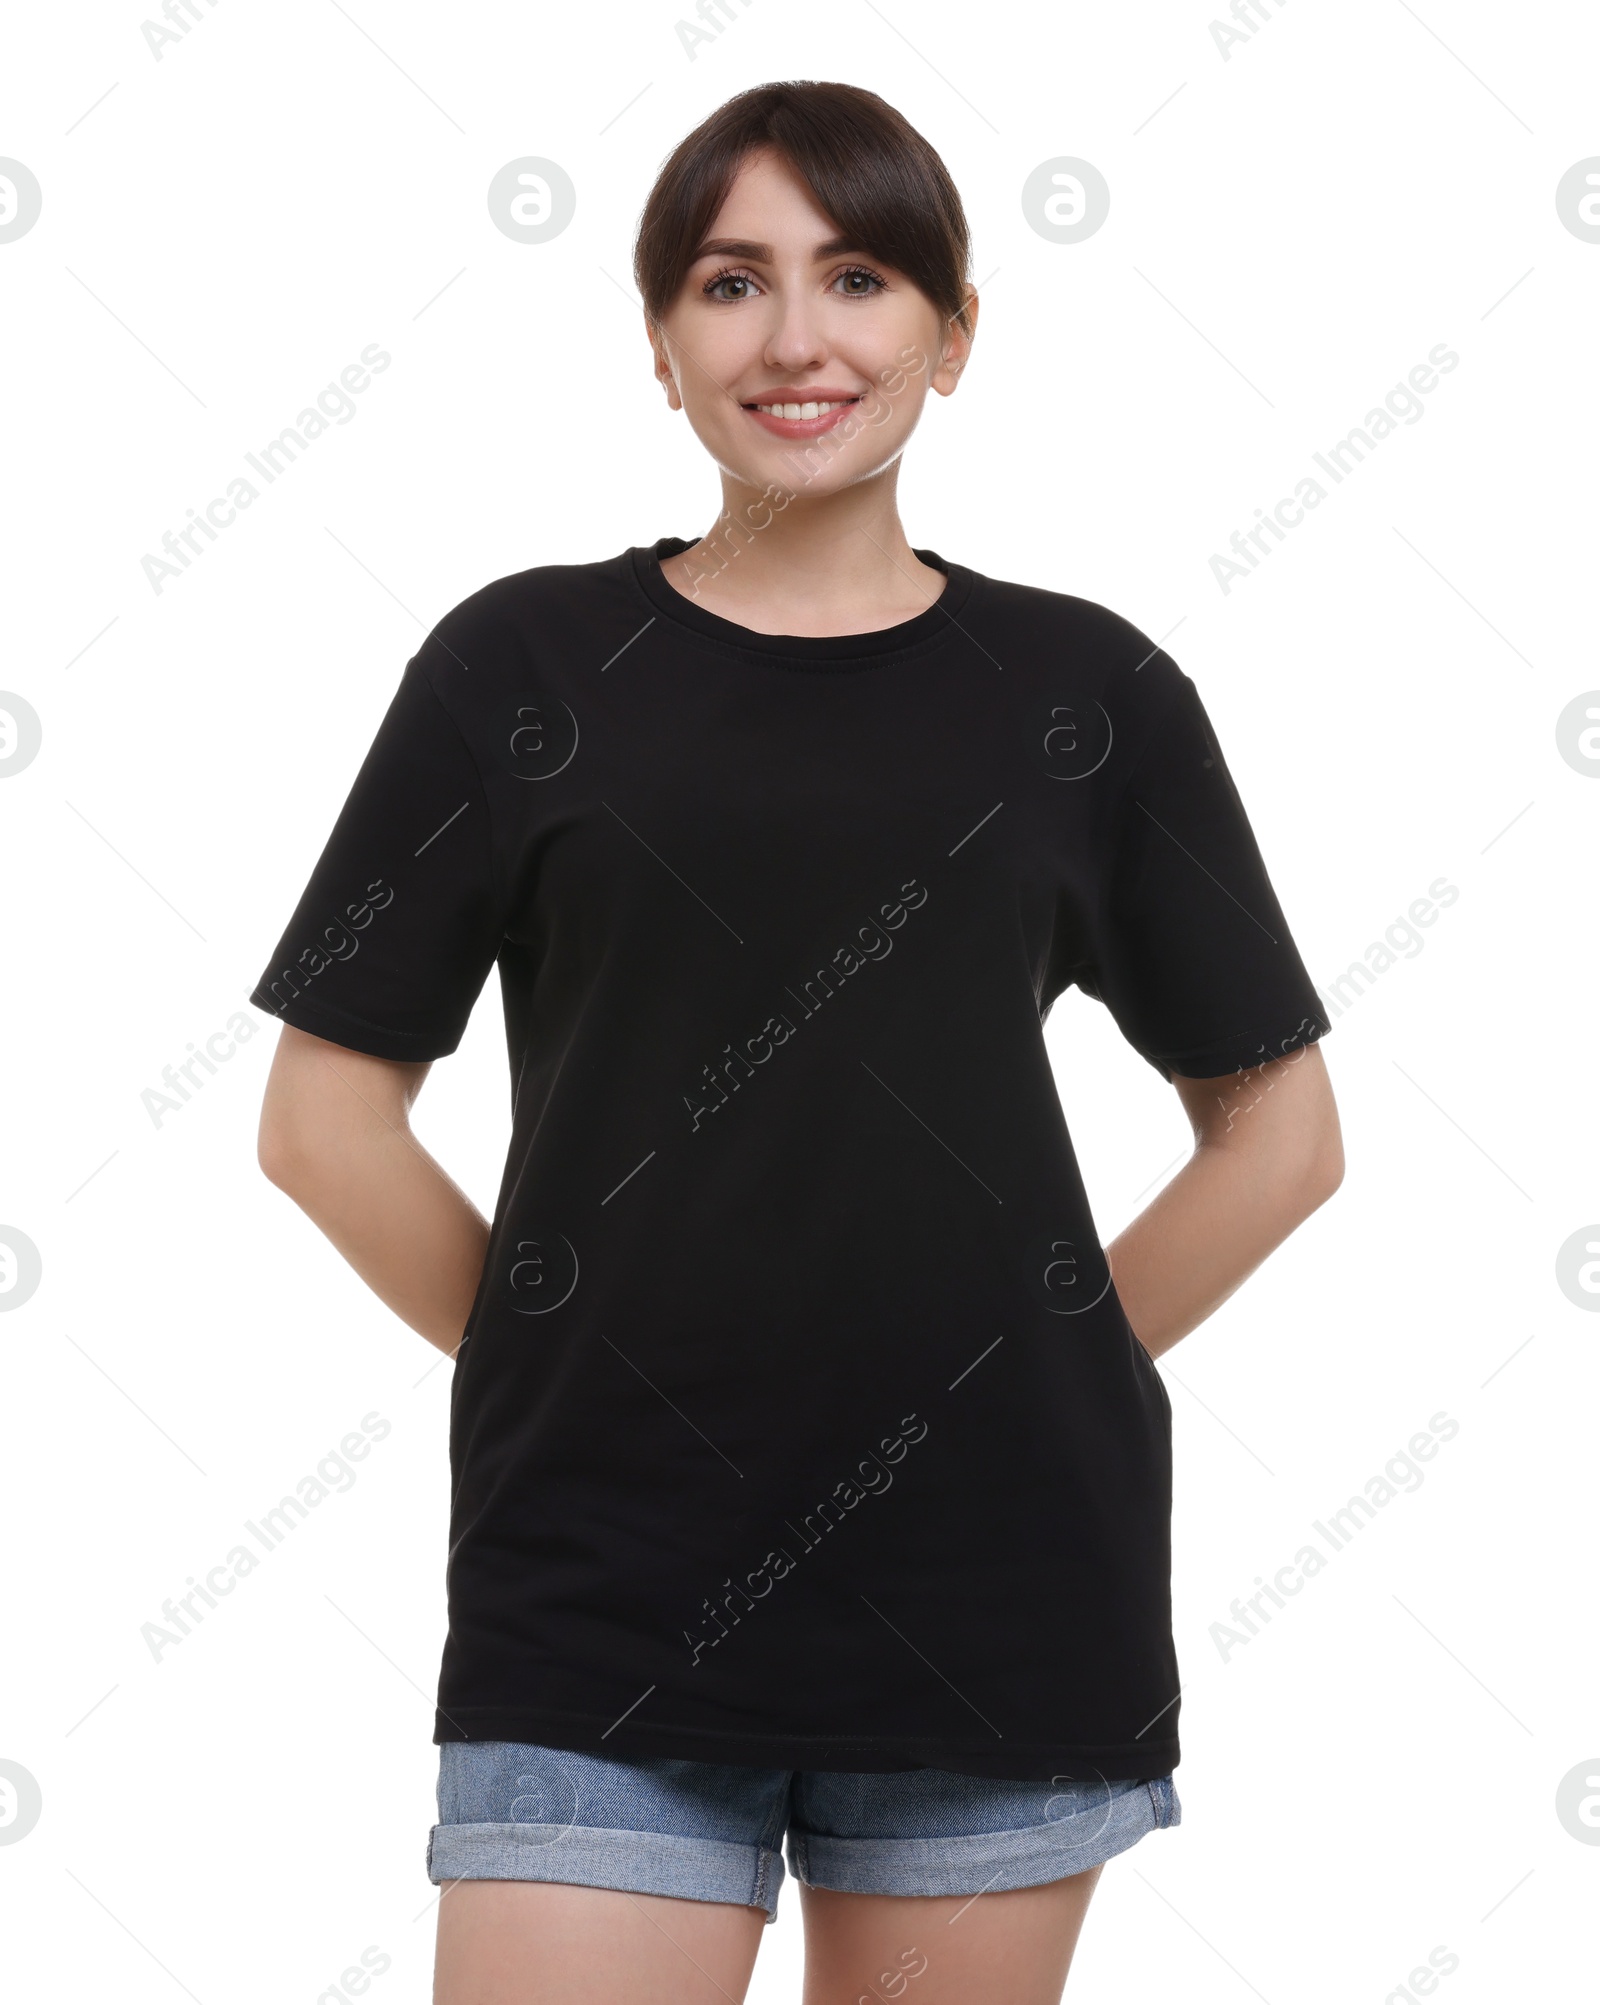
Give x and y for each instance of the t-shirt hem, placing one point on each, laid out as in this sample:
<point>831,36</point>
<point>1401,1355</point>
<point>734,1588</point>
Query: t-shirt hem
<point>1135,1761</point>
<point>354,1032</point>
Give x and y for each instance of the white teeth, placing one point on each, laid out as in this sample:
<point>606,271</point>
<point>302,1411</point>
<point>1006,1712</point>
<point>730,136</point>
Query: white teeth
<point>801,410</point>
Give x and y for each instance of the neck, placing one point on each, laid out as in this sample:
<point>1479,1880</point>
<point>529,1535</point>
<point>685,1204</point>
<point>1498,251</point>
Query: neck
<point>780,561</point>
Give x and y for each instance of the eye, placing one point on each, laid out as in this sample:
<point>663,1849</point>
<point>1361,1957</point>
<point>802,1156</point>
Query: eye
<point>729,275</point>
<point>852,273</point>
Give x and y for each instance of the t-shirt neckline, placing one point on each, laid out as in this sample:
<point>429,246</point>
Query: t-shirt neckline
<point>831,651</point>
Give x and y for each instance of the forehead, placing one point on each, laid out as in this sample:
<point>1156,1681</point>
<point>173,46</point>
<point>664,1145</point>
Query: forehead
<point>768,203</point>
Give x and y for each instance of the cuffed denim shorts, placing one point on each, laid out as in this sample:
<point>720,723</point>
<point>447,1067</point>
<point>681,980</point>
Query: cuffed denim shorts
<point>704,1831</point>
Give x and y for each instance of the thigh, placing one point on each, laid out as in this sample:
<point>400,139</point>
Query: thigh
<point>523,1942</point>
<point>1010,1948</point>
<point>968,1891</point>
<point>577,1877</point>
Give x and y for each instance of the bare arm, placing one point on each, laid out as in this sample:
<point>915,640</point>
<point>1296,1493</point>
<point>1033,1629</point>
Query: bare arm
<point>336,1137</point>
<point>1267,1153</point>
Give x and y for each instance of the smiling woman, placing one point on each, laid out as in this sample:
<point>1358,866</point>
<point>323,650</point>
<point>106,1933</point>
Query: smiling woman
<point>797,215</point>
<point>755,735</point>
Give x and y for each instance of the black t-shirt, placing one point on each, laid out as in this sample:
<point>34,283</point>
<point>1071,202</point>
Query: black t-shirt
<point>797,1421</point>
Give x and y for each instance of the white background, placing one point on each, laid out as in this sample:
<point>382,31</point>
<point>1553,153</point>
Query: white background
<point>1374,1774</point>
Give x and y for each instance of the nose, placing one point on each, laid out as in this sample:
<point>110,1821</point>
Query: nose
<point>797,342</point>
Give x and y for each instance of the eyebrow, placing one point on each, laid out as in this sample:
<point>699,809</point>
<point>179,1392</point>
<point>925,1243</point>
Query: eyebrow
<point>761,254</point>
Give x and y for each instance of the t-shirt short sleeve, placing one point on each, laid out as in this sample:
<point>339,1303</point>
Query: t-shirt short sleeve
<point>401,919</point>
<point>1190,950</point>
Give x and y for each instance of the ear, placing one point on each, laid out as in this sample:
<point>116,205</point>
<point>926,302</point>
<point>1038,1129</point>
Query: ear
<point>957,348</point>
<point>663,362</point>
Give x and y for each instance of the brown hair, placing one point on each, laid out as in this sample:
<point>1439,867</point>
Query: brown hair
<point>870,170</point>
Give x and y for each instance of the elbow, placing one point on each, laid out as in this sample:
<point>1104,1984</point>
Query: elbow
<point>278,1155</point>
<point>274,1162</point>
<point>1321,1170</point>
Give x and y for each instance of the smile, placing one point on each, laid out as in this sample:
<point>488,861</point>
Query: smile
<point>801,420</point>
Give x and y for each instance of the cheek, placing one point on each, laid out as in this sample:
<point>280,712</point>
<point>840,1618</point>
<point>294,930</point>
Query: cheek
<point>716,347</point>
<point>905,352</point>
<point>705,353</point>
<point>892,413</point>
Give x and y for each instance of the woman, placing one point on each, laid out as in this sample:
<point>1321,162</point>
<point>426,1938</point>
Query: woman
<point>810,1482</point>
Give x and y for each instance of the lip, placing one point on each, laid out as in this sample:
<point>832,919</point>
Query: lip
<point>843,401</point>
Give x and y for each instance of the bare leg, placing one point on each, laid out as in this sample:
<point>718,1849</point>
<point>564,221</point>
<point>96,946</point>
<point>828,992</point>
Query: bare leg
<point>1010,1948</point>
<point>533,1942</point>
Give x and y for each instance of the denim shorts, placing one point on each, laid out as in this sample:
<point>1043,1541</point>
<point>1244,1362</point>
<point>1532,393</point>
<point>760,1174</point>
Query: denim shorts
<point>704,1831</point>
